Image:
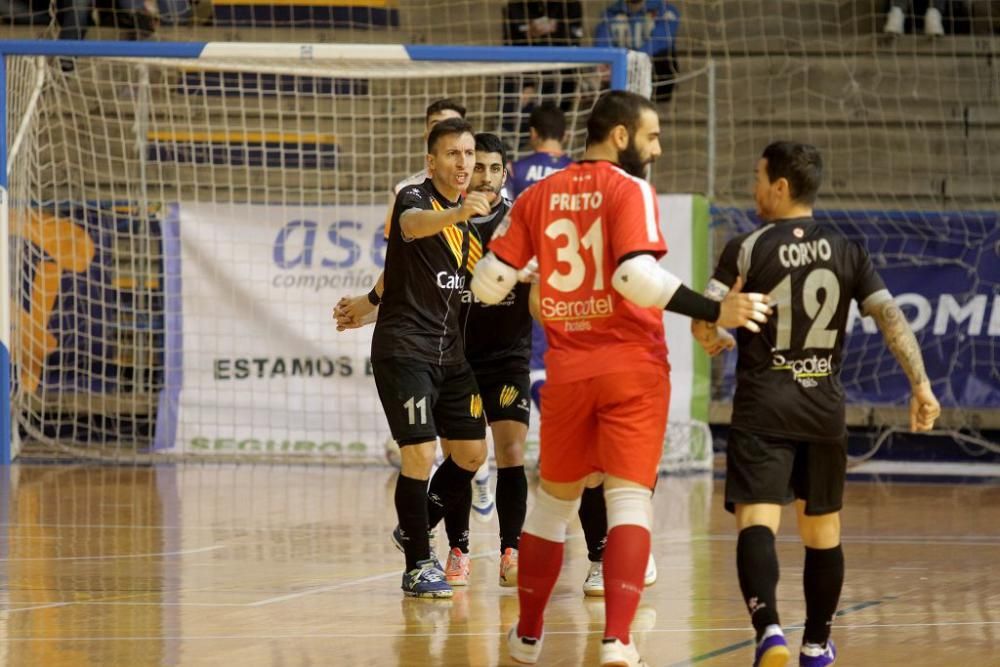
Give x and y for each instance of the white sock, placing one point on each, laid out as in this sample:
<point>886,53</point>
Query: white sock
<point>813,650</point>
<point>771,630</point>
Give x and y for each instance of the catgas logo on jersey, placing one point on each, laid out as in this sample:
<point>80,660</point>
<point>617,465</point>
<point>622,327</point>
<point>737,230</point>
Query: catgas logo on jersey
<point>447,280</point>
<point>804,371</point>
<point>469,297</point>
<point>801,254</point>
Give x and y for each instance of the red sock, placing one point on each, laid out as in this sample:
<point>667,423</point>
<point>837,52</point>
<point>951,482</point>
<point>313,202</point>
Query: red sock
<point>625,559</point>
<point>539,562</point>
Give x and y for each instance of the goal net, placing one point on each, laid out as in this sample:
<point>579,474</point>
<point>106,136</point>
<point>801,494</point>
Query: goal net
<point>904,110</point>
<point>182,227</point>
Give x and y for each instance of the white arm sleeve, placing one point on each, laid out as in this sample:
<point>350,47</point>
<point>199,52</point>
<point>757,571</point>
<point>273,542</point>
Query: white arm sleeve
<point>493,279</point>
<point>644,282</point>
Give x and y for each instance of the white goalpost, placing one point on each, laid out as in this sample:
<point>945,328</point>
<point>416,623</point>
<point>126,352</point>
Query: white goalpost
<point>183,217</point>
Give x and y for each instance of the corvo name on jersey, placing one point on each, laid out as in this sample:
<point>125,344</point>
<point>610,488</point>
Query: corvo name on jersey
<point>801,254</point>
<point>447,280</point>
<point>581,201</point>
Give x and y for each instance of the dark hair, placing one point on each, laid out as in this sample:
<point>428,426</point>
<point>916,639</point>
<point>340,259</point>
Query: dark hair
<point>548,121</point>
<point>446,104</point>
<point>613,108</point>
<point>447,127</point>
<point>490,143</point>
<point>800,164</point>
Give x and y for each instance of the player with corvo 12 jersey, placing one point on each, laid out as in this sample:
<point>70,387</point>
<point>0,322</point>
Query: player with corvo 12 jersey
<point>788,439</point>
<point>594,228</point>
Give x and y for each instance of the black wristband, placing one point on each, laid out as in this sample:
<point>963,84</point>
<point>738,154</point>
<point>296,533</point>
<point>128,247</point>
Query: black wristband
<point>694,305</point>
<point>373,298</point>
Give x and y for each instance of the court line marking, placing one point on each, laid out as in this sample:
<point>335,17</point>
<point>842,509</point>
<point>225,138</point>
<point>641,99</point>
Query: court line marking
<point>50,605</point>
<point>348,584</point>
<point>789,630</point>
<point>155,554</point>
<point>495,633</point>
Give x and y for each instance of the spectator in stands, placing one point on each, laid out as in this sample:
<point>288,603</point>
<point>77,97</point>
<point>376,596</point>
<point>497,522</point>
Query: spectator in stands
<point>895,21</point>
<point>551,23</point>
<point>649,26</point>
<point>538,23</point>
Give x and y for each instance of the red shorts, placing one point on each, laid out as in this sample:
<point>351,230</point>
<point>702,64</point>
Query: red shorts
<point>613,423</point>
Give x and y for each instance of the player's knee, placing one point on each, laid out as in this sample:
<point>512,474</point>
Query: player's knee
<point>594,480</point>
<point>629,505</point>
<point>468,454</point>
<point>759,514</point>
<point>509,453</point>
<point>820,532</point>
<point>550,516</point>
<point>416,459</point>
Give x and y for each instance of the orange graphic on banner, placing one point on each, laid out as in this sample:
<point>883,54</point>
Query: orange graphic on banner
<point>67,247</point>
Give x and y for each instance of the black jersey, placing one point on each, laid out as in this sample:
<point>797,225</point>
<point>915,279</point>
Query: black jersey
<point>420,313</point>
<point>501,332</point>
<point>788,375</point>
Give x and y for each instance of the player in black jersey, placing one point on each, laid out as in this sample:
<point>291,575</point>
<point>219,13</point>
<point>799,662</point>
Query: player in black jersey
<point>788,438</point>
<point>425,384</point>
<point>497,343</point>
<point>498,347</point>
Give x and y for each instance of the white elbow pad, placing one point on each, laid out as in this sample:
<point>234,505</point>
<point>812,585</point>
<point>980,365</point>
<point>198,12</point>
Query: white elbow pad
<point>641,280</point>
<point>493,279</point>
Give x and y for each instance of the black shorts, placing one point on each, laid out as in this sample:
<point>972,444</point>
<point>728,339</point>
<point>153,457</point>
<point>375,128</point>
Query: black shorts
<point>422,400</point>
<point>766,469</point>
<point>506,392</point>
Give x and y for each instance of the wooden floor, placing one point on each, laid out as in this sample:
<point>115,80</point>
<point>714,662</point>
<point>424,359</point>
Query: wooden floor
<point>285,565</point>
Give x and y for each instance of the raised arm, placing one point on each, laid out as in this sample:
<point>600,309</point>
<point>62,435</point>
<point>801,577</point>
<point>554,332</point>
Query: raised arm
<point>417,224</point>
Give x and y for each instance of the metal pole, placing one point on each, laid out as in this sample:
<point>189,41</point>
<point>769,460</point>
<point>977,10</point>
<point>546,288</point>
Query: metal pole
<point>710,186</point>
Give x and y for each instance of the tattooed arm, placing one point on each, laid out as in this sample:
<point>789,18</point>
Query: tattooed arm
<point>924,407</point>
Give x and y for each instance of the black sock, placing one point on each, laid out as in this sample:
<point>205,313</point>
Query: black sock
<point>411,510</point>
<point>456,518</point>
<point>757,567</point>
<point>450,485</point>
<point>594,520</point>
<point>512,505</point>
<point>822,580</point>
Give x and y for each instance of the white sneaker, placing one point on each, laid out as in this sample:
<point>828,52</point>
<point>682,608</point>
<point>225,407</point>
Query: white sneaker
<point>593,585</point>
<point>616,654</point>
<point>524,650</point>
<point>482,497</point>
<point>895,22</point>
<point>933,23</point>
<point>651,574</point>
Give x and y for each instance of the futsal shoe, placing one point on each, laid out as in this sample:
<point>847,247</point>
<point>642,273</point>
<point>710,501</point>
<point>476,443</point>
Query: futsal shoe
<point>818,656</point>
<point>616,654</point>
<point>593,585</point>
<point>482,498</point>
<point>772,651</point>
<point>456,571</point>
<point>397,541</point>
<point>426,581</point>
<point>650,577</point>
<point>508,568</point>
<point>524,650</point>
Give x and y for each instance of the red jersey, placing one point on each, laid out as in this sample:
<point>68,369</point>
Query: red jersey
<point>579,223</point>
